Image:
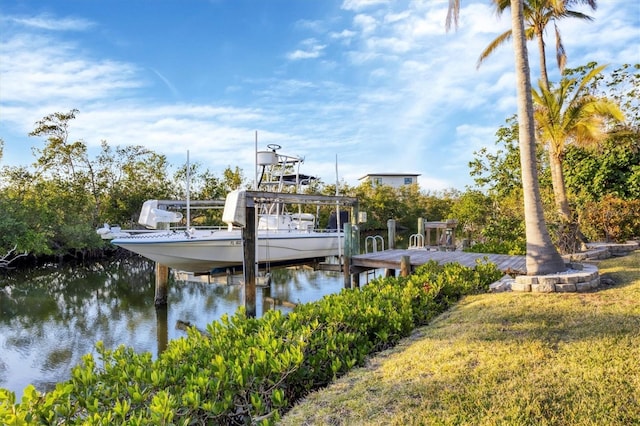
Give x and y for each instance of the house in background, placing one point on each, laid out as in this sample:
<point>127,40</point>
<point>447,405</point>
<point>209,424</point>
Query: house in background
<point>395,180</point>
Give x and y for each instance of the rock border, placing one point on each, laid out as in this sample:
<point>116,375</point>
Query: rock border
<point>578,278</point>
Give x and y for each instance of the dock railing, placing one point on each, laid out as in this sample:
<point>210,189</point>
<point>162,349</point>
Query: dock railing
<point>416,241</point>
<point>373,239</point>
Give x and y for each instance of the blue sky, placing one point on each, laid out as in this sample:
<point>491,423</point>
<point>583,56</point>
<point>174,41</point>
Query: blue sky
<point>378,84</point>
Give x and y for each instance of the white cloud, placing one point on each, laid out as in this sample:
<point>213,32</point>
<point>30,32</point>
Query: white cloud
<point>311,50</point>
<point>362,4</point>
<point>52,23</point>
<point>366,23</point>
<point>388,89</point>
<point>342,35</point>
<point>36,68</point>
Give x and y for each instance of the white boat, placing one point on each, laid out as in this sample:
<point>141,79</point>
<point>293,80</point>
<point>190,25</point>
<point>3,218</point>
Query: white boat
<point>281,236</point>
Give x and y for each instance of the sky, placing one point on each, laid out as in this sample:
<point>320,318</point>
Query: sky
<point>355,87</point>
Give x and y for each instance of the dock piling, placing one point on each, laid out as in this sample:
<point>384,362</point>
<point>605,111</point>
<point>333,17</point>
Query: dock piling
<point>249,244</point>
<point>391,231</point>
<point>162,280</point>
<point>405,266</point>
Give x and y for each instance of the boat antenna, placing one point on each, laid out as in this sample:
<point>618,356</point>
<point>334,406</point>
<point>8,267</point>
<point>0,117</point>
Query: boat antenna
<point>339,225</point>
<point>255,182</point>
<point>188,193</point>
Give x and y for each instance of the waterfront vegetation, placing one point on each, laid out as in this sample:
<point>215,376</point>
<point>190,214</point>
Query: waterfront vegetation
<point>53,206</point>
<point>508,358</point>
<point>249,370</point>
<point>431,348</point>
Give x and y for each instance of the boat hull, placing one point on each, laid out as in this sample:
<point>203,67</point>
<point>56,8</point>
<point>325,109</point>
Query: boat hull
<point>223,249</point>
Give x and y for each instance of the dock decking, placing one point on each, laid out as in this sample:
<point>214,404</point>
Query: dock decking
<point>390,259</point>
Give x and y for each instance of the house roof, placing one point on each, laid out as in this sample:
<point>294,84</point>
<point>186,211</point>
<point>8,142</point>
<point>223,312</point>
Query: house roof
<point>388,175</point>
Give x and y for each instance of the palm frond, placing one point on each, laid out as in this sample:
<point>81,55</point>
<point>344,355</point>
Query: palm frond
<point>561,54</point>
<point>502,38</point>
<point>577,15</point>
<point>453,14</point>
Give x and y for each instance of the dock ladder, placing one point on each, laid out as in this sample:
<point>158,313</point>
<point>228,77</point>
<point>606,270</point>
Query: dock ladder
<point>416,241</point>
<point>373,240</point>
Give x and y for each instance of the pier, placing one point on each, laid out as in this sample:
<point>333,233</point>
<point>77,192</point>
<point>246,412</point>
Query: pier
<point>393,259</point>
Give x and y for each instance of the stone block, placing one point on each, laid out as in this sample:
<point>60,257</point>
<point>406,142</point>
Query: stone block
<point>569,279</point>
<point>527,279</point>
<point>566,288</point>
<point>503,284</point>
<point>583,287</point>
<point>543,288</point>
<point>548,279</point>
<point>518,286</point>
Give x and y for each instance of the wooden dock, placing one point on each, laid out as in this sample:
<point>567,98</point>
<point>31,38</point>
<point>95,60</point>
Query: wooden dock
<point>391,259</point>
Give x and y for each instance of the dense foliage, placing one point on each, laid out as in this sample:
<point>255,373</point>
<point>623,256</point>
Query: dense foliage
<point>52,207</point>
<point>247,370</point>
<point>602,179</point>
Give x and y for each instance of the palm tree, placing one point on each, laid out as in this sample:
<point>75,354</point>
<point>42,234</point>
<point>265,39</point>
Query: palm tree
<point>569,114</point>
<point>542,256</point>
<point>538,14</point>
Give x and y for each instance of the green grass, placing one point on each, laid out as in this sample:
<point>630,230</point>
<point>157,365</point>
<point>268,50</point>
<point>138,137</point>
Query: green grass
<point>504,359</point>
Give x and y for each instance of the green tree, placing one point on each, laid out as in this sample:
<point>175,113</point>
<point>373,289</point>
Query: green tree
<point>567,115</point>
<point>232,179</point>
<point>538,14</point>
<point>611,168</point>
<point>65,185</point>
<point>498,175</point>
<point>622,85</point>
<point>472,210</point>
<point>131,175</point>
<point>542,256</point>
<point>380,202</point>
<point>59,157</point>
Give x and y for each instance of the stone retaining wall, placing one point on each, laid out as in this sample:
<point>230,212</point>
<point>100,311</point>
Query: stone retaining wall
<point>599,251</point>
<point>579,278</point>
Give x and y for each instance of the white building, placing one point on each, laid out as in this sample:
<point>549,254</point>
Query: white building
<point>394,180</point>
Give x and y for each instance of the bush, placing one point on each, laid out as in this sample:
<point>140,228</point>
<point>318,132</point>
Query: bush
<point>514,248</point>
<point>247,370</point>
<point>611,219</point>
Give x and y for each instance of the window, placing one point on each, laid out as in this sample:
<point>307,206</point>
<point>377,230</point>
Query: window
<point>408,180</point>
<point>377,180</point>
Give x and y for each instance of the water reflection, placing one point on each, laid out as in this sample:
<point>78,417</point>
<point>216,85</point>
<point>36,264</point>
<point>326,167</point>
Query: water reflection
<point>51,316</point>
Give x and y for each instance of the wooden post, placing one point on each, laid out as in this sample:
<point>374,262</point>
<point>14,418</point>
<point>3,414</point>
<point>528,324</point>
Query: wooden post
<point>348,240</point>
<point>162,328</point>
<point>249,243</point>
<point>346,265</point>
<point>405,266</point>
<point>391,230</point>
<point>162,280</point>
<point>356,230</point>
<point>421,227</point>
<point>348,251</point>
<point>355,280</point>
<point>453,238</point>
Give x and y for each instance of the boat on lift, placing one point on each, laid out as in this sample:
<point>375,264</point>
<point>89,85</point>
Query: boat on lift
<point>281,236</point>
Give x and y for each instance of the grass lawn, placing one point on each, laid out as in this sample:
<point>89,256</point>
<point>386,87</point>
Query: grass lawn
<point>504,359</point>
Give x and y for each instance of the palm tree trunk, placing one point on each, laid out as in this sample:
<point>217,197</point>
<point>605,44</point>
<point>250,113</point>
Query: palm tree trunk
<point>559,190</point>
<point>543,62</point>
<point>542,256</point>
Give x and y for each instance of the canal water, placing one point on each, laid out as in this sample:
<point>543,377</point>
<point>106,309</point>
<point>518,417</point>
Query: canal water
<point>51,316</point>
